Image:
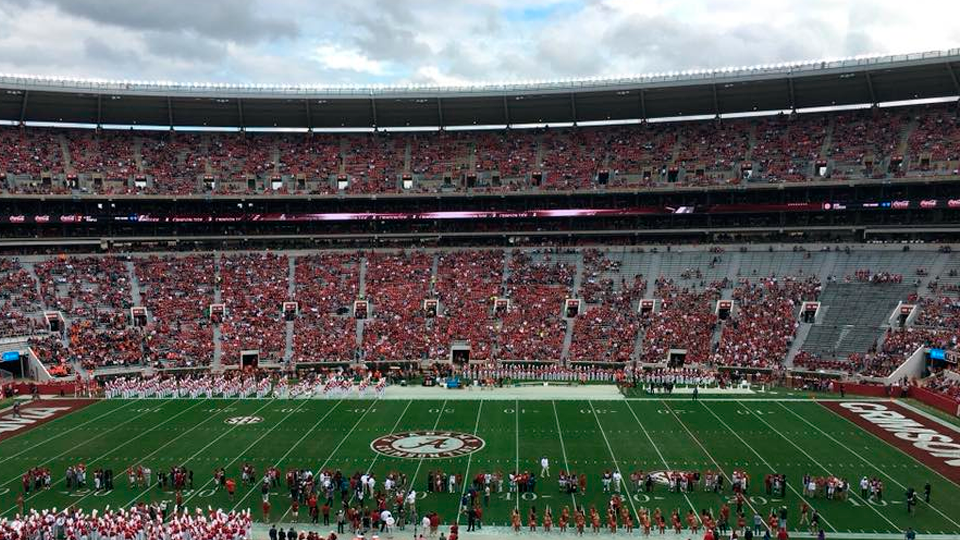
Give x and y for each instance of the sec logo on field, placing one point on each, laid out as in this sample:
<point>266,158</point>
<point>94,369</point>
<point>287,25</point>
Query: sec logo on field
<point>427,444</point>
<point>243,420</point>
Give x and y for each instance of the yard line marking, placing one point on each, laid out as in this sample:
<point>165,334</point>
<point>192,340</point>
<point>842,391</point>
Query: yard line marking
<point>615,463</point>
<point>563,449</point>
<point>72,448</point>
<point>817,462</point>
<point>376,455</point>
<point>708,454</point>
<point>516,465</point>
<point>466,476</point>
<point>112,449</point>
<point>222,435</point>
<point>413,479</point>
<point>214,415</point>
<point>111,411</point>
<point>865,460</point>
<point>765,462</point>
<point>290,450</point>
<point>142,459</point>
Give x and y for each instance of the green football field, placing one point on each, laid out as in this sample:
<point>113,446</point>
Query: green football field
<point>793,437</point>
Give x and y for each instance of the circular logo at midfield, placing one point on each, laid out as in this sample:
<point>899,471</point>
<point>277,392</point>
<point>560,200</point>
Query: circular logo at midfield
<point>243,420</point>
<point>427,444</point>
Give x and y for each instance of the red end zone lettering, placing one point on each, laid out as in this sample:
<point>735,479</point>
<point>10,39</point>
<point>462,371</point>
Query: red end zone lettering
<point>926,441</point>
<point>34,413</point>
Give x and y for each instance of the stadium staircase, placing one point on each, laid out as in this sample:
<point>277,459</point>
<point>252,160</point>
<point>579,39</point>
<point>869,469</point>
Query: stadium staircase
<point>568,335</point>
<point>292,294</point>
<point>363,294</point>
<point>216,365</point>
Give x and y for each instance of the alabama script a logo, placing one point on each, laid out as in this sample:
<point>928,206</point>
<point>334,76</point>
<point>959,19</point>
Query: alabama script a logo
<point>427,444</point>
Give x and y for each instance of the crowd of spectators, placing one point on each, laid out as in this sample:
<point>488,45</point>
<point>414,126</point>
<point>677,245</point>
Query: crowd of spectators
<point>327,284</point>
<point>533,327</point>
<point>396,286</point>
<point>760,333</point>
<point>686,321</point>
<point>177,292</point>
<point>782,148</point>
<point>466,283</point>
<point>254,287</point>
<point>20,303</point>
<point>944,382</point>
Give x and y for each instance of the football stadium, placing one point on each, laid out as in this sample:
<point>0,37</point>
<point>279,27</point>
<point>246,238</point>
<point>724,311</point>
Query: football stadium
<point>716,302</point>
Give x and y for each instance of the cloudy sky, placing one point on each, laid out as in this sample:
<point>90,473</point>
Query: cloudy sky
<point>448,41</point>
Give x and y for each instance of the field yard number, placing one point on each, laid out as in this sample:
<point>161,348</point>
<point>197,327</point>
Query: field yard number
<point>360,411</point>
<point>526,495</point>
<point>598,411</point>
<point>869,501</point>
<point>144,410</point>
<point>641,497</point>
<point>514,411</point>
<point>757,412</point>
<point>85,492</point>
<point>437,411</point>
<point>220,409</point>
<point>4,491</point>
<point>289,410</point>
<point>674,411</point>
<point>754,499</point>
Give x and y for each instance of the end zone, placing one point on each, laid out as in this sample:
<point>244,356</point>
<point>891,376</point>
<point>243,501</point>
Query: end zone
<point>35,413</point>
<point>909,432</point>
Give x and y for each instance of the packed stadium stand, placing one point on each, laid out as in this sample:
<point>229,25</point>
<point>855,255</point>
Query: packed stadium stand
<point>503,305</point>
<point>862,144</point>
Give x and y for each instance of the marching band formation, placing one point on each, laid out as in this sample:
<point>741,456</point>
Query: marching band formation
<point>244,386</point>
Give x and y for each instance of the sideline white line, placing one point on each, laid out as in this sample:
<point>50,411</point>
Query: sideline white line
<point>108,452</point>
<point>466,476</point>
<point>290,451</point>
<point>828,471</point>
<point>61,434</point>
<point>615,463</point>
<point>563,450</point>
<point>767,463</point>
<point>928,416</point>
<point>865,460</point>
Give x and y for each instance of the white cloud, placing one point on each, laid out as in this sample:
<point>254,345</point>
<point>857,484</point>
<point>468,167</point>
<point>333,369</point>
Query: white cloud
<point>336,57</point>
<point>444,42</point>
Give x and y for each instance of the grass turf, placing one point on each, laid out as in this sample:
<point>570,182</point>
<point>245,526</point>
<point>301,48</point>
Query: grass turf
<point>791,437</point>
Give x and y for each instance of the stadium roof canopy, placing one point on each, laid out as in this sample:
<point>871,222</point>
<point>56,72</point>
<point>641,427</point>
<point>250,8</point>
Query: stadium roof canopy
<point>799,85</point>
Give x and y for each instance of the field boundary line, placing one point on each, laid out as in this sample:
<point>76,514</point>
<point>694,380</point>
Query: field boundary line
<point>928,416</point>
<point>828,471</point>
<point>563,448</point>
<point>616,463</point>
<point>865,460</point>
<point>466,475</point>
<point>108,452</point>
<point>708,454</point>
<point>767,463</point>
<point>290,451</point>
<point>111,411</point>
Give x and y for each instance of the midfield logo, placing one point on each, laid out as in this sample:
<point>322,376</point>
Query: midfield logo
<point>427,444</point>
<point>243,420</point>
